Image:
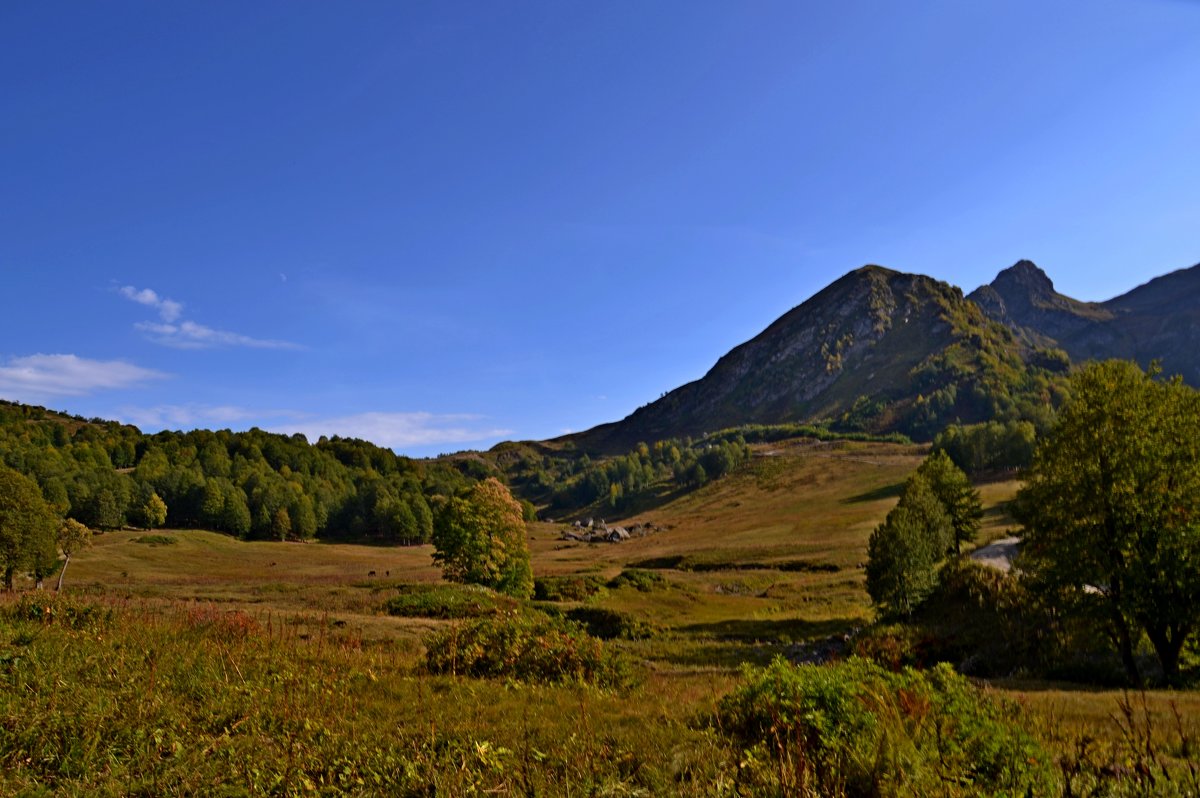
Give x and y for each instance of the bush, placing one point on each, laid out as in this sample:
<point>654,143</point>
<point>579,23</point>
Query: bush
<point>610,624</point>
<point>155,540</point>
<point>641,580</point>
<point>525,647</point>
<point>576,587</point>
<point>447,601</point>
<point>857,729</point>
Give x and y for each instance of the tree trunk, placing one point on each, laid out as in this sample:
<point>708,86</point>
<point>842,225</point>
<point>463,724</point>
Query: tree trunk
<point>8,578</point>
<point>61,574</point>
<point>1124,643</point>
<point>1167,648</point>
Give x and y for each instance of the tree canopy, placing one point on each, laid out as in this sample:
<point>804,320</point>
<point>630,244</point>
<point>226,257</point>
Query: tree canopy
<point>903,551</point>
<point>938,510</point>
<point>480,539</point>
<point>252,483</point>
<point>958,497</point>
<point>27,526</point>
<point>1111,510</point>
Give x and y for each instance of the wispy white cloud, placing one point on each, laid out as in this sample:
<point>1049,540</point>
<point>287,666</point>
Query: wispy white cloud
<point>192,416</point>
<point>190,335</point>
<point>174,331</point>
<point>394,430</point>
<point>168,309</point>
<point>400,430</point>
<point>35,376</point>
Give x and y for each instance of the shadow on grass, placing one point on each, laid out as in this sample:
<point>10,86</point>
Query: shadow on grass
<point>721,655</point>
<point>999,510</point>
<point>885,492</point>
<point>630,506</point>
<point>683,562</point>
<point>788,630</point>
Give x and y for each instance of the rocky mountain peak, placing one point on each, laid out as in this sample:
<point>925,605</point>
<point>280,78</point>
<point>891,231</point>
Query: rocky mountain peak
<point>1025,277</point>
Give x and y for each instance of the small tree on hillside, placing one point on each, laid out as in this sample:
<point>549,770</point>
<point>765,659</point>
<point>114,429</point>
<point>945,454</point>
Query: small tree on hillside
<point>479,539</point>
<point>72,536</point>
<point>903,551</point>
<point>959,498</point>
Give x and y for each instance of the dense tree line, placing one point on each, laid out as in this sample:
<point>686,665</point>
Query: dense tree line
<point>619,480</point>
<point>991,446</point>
<point>253,484</point>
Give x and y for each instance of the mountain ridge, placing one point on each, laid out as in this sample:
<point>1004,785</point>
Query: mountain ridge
<point>1158,320</point>
<point>876,350</point>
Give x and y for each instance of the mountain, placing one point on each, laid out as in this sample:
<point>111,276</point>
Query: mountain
<point>877,351</point>
<point>1159,320</point>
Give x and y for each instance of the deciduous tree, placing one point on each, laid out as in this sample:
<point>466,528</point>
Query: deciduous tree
<point>72,536</point>
<point>959,498</point>
<point>479,538</point>
<point>903,551</point>
<point>27,523</point>
<point>1111,509</point>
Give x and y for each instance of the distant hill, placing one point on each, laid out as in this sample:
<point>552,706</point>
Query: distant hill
<point>1156,321</point>
<point>876,351</point>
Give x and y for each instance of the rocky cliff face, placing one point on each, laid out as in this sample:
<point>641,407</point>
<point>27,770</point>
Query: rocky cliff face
<point>1023,298</point>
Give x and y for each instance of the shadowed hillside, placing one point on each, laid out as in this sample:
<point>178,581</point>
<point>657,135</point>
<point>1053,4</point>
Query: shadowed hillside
<point>1159,320</point>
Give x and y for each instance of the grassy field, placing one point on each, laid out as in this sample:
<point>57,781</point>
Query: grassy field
<point>263,653</point>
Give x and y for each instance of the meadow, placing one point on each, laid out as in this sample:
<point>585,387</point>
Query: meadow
<point>191,662</point>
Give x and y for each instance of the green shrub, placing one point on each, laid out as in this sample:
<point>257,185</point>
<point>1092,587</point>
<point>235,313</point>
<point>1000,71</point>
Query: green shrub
<point>447,601</point>
<point>857,729</point>
<point>610,624</point>
<point>525,647</point>
<point>576,587</point>
<point>637,578</point>
<point>59,609</point>
<point>155,540</point>
<point>892,646</point>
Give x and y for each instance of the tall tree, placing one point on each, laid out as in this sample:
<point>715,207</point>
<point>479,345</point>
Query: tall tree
<point>27,523</point>
<point>479,538</point>
<point>960,499</point>
<point>1111,510</point>
<point>903,551</point>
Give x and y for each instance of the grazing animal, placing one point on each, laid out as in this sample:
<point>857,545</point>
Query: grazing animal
<point>387,573</point>
<point>370,573</point>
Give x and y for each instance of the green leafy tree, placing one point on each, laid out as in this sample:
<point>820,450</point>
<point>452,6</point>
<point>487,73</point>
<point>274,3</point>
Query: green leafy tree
<point>154,513</point>
<point>424,517</point>
<point>102,510</point>
<point>72,536</point>
<point>479,538</point>
<point>959,498</point>
<point>1111,510</point>
<point>27,524</point>
<point>904,551</point>
<point>235,515</point>
<point>304,519</point>
<point>281,524</point>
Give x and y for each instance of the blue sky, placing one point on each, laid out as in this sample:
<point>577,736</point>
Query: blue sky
<point>439,225</point>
